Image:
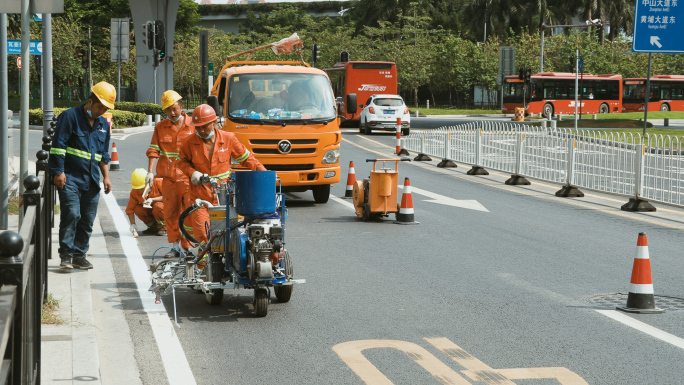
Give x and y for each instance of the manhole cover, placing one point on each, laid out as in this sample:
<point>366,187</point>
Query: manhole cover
<point>620,299</point>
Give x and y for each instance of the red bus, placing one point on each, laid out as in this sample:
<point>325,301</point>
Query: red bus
<point>363,78</point>
<point>667,94</point>
<point>552,93</point>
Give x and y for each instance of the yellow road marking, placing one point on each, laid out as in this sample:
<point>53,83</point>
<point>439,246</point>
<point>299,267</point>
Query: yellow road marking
<point>352,354</point>
<point>535,194</point>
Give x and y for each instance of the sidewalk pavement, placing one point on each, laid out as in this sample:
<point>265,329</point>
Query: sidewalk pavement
<point>93,344</point>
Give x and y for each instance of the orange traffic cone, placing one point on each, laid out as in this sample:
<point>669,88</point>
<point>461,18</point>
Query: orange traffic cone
<point>640,298</point>
<point>114,163</point>
<point>351,180</point>
<point>405,214</point>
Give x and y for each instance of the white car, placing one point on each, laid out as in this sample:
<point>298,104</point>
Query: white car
<point>381,113</point>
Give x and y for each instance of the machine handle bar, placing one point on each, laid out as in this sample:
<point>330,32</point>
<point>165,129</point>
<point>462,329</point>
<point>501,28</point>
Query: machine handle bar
<point>389,160</point>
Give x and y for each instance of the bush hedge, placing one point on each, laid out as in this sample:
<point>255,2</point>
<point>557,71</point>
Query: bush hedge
<point>143,108</point>
<point>121,119</point>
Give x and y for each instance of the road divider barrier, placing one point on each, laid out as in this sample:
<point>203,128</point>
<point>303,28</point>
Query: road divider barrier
<point>399,149</point>
<point>405,216</point>
<point>351,181</point>
<point>114,163</point>
<point>641,297</point>
<point>519,114</point>
<point>643,168</point>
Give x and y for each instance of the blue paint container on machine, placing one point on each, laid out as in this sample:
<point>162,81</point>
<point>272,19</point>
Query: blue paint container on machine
<point>255,193</point>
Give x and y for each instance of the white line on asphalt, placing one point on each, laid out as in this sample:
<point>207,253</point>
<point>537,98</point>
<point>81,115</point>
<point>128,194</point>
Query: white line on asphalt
<point>173,357</point>
<point>471,204</point>
<point>644,327</point>
<point>347,203</point>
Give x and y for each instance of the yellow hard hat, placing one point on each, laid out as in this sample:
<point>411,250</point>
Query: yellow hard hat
<point>138,178</point>
<point>105,92</point>
<point>168,98</point>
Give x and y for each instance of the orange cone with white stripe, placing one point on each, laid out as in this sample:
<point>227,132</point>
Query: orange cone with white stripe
<point>114,163</point>
<point>351,180</point>
<point>641,298</point>
<point>405,213</point>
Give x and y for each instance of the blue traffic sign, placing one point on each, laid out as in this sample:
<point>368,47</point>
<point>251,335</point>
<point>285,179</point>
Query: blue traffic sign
<point>658,26</point>
<point>14,47</point>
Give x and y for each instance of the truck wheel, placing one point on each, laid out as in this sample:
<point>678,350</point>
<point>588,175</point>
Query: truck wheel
<point>321,193</point>
<point>214,273</point>
<point>604,109</point>
<point>283,293</point>
<point>260,302</point>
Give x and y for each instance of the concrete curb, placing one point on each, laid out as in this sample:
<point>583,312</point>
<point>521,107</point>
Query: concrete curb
<point>132,130</point>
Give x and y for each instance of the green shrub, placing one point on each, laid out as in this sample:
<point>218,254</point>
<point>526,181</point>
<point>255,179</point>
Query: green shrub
<point>121,119</point>
<point>143,108</point>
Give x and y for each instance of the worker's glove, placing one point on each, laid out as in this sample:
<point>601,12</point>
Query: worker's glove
<point>196,178</point>
<point>148,202</point>
<point>149,179</point>
<point>133,228</point>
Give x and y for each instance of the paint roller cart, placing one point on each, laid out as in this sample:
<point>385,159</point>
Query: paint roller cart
<point>376,196</point>
<point>245,252</point>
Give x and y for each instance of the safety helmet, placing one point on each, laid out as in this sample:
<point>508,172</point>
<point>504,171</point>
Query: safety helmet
<point>138,178</point>
<point>202,115</point>
<point>105,92</point>
<point>169,98</point>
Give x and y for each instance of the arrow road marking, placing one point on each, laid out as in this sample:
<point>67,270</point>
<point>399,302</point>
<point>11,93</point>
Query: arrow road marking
<point>654,40</point>
<point>470,204</point>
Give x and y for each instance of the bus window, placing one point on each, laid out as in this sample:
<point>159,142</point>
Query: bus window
<point>677,94</point>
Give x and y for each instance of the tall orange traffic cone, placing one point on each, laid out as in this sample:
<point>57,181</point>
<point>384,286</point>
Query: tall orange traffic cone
<point>351,180</point>
<point>405,214</point>
<point>114,163</point>
<point>640,298</point>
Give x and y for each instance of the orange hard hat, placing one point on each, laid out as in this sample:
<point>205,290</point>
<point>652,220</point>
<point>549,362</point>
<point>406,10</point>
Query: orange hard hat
<point>202,115</point>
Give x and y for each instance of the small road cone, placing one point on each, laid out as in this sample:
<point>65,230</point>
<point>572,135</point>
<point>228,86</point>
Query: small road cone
<point>351,180</point>
<point>114,163</point>
<point>405,214</point>
<point>640,298</point>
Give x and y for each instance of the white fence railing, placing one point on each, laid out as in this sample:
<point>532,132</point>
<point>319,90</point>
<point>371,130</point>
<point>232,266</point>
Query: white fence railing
<point>644,168</point>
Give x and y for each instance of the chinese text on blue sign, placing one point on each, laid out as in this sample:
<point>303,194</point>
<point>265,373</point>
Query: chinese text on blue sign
<point>658,26</point>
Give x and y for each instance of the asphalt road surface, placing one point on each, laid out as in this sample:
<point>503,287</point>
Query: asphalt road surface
<point>496,285</point>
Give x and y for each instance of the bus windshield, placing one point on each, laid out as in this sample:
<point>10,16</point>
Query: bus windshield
<point>280,96</point>
<point>513,91</point>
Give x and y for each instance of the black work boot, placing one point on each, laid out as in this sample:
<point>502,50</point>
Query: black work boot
<point>82,263</point>
<point>66,261</point>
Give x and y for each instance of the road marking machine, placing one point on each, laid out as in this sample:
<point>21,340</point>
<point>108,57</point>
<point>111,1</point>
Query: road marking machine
<point>245,252</point>
<point>376,196</point>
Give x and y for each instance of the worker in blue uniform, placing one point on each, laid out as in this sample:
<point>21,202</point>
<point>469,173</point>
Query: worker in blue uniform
<point>79,153</point>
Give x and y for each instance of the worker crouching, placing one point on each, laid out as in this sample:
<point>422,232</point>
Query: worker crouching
<point>209,152</point>
<point>145,202</point>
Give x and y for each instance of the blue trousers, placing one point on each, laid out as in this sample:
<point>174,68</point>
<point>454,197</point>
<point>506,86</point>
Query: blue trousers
<point>78,209</point>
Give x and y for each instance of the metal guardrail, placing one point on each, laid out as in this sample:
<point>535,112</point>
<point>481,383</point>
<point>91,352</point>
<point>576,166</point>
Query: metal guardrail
<point>23,278</point>
<point>649,168</point>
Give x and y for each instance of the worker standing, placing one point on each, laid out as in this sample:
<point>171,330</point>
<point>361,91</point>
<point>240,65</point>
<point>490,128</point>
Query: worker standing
<point>145,202</point>
<point>79,153</point>
<point>209,152</point>
<point>163,153</point>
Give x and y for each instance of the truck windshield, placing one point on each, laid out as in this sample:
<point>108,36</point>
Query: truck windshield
<point>279,96</point>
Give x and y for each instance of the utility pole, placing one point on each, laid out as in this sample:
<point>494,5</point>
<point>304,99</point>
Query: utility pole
<point>90,62</point>
<point>25,67</point>
<point>4,132</point>
<point>47,72</point>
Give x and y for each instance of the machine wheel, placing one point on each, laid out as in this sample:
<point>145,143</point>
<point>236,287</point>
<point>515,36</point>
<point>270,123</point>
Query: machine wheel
<point>405,131</point>
<point>664,107</point>
<point>366,212</point>
<point>260,302</point>
<point>604,109</point>
<point>548,110</point>
<point>321,193</point>
<point>214,273</point>
<point>283,293</point>
<point>366,129</point>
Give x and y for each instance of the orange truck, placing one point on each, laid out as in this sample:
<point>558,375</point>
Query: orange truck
<point>284,112</point>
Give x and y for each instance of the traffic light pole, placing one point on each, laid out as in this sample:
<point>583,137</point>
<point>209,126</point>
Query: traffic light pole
<point>118,62</point>
<point>576,83</point>
<point>25,67</point>
<point>48,106</point>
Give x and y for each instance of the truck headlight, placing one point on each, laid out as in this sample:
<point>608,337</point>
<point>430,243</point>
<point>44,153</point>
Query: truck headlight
<point>331,157</point>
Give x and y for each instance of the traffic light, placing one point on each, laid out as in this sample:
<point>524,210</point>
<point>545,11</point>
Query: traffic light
<point>315,53</point>
<point>572,63</point>
<point>84,59</point>
<point>160,39</point>
<point>521,74</point>
<point>148,34</point>
<point>36,61</point>
<point>528,75</point>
